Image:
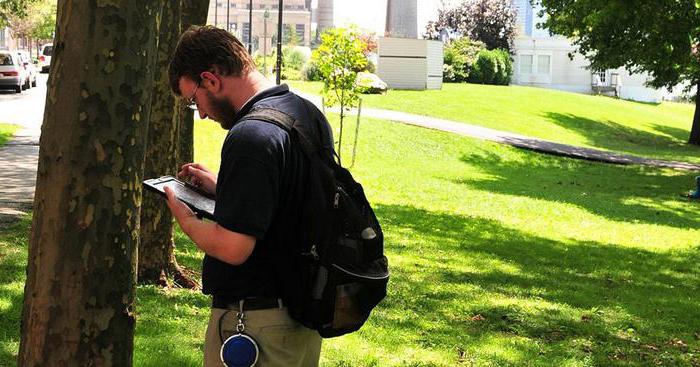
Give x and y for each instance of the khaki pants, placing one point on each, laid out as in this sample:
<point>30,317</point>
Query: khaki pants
<point>282,341</point>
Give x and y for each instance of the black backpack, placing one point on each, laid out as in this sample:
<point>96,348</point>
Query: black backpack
<point>336,271</point>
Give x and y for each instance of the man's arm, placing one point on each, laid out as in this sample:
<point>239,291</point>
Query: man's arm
<point>216,241</point>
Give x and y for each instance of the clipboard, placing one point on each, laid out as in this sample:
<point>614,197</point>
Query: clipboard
<point>200,202</point>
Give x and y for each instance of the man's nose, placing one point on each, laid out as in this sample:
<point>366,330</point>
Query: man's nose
<point>202,115</point>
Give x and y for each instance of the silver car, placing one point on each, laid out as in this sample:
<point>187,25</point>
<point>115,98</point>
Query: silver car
<point>13,72</point>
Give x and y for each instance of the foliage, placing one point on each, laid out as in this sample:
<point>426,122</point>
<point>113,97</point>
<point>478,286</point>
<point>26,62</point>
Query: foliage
<point>492,67</point>
<point>459,57</point>
<point>369,42</point>
<point>13,8</point>
<point>45,24</point>
<point>340,57</point>
<point>6,132</point>
<point>489,21</point>
<point>38,21</point>
<point>290,36</point>
<point>311,72</point>
<point>660,37</point>
<point>293,61</point>
<point>293,58</point>
<point>265,64</point>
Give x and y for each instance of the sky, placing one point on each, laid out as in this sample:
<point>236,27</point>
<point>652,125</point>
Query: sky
<point>371,14</point>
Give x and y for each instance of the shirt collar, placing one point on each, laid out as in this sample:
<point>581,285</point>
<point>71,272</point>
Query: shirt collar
<point>269,92</point>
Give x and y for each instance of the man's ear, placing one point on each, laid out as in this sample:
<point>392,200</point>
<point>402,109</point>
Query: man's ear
<point>211,81</point>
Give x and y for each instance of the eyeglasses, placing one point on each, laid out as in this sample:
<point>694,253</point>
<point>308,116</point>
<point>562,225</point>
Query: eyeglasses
<point>190,102</point>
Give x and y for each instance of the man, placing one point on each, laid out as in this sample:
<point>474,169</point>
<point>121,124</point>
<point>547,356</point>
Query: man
<point>258,190</point>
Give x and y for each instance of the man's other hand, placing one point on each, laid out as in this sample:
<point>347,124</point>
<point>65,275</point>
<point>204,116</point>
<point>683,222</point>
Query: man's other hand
<point>199,176</point>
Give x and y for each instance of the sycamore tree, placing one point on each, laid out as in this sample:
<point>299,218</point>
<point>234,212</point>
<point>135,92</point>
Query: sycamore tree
<point>340,57</point>
<point>659,37</point>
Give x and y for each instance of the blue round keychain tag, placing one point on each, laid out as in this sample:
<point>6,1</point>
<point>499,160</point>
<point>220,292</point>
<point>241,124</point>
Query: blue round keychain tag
<point>239,350</point>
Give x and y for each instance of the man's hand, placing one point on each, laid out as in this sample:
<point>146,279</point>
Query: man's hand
<point>182,213</point>
<point>199,176</point>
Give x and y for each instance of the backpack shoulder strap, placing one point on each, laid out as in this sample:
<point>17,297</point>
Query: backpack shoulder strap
<point>288,123</point>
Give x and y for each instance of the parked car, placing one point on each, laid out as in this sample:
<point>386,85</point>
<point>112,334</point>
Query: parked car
<point>12,72</point>
<point>31,68</point>
<point>45,57</point>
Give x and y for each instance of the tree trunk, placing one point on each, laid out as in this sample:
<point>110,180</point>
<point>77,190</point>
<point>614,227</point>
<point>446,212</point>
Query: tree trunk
<point>79,294</point>
<point>695,130</point>
<point>156,248</point>
<point>194,12</point>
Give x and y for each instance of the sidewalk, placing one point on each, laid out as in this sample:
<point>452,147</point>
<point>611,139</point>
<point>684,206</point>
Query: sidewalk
<point>19,158</point>
<point>519,141</point>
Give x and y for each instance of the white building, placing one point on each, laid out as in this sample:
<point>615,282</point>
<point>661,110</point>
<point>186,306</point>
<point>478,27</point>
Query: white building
<point>542,60</point>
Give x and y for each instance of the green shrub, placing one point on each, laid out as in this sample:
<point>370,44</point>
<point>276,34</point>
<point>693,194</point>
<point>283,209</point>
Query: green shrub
<point>459,57</point>
<point>293,58</point>
<point>492,67</point>
<point>311,72</point>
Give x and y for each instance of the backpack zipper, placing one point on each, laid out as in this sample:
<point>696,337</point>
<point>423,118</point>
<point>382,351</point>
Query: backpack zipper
<point>360,276</point>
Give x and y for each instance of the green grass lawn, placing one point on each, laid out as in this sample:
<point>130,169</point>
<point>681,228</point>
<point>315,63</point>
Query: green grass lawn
<point>499,257</point>
<point>659,131</point>
<point>6,132</point>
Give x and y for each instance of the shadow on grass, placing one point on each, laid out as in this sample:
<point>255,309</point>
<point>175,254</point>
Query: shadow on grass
<point>171,322</point>
<point>614,136</point>
<point>519,285</point>
<point>676,133</point>
<point>625,194</point>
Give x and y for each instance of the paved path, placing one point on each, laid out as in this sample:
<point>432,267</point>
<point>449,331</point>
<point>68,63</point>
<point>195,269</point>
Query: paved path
<point>519,141</point>
<point>19,156</point>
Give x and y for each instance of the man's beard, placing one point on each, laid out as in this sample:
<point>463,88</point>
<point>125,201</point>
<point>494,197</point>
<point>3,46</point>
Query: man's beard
<point>222,111</point>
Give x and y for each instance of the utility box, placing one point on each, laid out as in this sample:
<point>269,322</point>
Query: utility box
<point>405,63</point>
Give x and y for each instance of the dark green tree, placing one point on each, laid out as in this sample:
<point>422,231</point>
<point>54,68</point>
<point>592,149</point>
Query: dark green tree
<point>660,37</point>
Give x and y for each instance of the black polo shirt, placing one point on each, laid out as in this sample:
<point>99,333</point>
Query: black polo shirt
<point>259,189</point>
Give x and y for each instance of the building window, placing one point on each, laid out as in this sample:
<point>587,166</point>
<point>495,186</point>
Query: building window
<point>543,63</point>
<point>525,64</point>
<point>300,31</point>
<point>246,30</point>
<point>2,38</point>
<point>603,77</point>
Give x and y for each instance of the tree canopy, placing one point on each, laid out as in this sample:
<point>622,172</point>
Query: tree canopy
<point>489,21</point>
<point>659,37</point>
<point>9,8</point>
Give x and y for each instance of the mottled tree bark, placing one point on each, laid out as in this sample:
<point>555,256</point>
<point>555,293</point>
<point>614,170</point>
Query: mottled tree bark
<point>79,294</point>
<point>695,130</point>
<point>156,249</point>
<point>194,12</point>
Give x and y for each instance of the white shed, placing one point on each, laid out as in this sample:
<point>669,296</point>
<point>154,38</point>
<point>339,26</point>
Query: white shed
<point>405,63</point>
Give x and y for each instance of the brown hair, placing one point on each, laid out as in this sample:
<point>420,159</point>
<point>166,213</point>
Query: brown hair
<point>207,48</point>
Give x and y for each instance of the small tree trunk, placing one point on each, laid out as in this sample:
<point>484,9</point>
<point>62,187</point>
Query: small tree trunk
<point>695,130</point>
<point>156,248</point>
<point>79,293</point>
<point>194,12</point>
